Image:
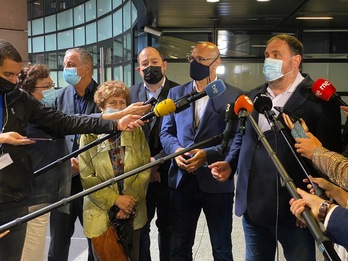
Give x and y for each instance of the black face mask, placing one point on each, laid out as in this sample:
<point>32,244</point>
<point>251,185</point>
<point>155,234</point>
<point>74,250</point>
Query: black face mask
<point>198,71</point>
<point>153,74</point>
<point>6,86</point>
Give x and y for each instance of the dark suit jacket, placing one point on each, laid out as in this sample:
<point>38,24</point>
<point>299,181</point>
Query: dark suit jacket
<point>179,130</point>
<point>337,228</point>
<point>152,131</point>
<point>257,175</point>
<point>65,103</point>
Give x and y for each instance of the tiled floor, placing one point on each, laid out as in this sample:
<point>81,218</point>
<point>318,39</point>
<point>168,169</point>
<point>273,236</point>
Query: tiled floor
<point>201,250</point>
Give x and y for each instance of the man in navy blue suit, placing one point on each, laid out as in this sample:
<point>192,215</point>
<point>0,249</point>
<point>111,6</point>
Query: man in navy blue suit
<point>152,68</point>
<point>260,198</point>
<point>192,186</point>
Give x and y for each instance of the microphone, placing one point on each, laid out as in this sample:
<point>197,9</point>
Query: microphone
<point>163,108</point>
<point>324,90</point>
<point>167,106</point>
<point>242,107</point>
<point>213,89</point>
<point>263,104</point>
<point>230,117</point>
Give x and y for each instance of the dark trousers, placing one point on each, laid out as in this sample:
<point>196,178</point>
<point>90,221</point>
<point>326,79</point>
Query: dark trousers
<point>157,199</point>
<point>187,201</point>
<point>62,227</point>
<point>11,245</point>
<point>298,243</point>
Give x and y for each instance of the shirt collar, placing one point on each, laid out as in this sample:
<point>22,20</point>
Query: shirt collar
<point>157,92</point>
<point>88,90</point>
<point>291,88</point>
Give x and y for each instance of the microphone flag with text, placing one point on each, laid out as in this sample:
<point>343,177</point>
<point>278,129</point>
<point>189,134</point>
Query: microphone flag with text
<point>324,90</point>
<point>230,117</point>
<point>167,106</point>
<point>242,107</point>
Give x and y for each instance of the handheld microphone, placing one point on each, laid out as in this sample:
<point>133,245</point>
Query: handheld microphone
<point>263,104</point>
<point>242,107</point>
<point>324,90</point>
<point>163,108</point>
<point>213,89</point>
<point>230,117</point>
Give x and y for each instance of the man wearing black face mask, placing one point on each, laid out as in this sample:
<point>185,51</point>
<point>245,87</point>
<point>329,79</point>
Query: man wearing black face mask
<point>155,84</point>
<point>192,186</point>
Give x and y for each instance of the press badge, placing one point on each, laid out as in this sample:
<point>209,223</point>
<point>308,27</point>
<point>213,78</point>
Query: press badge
<point>5,160</point>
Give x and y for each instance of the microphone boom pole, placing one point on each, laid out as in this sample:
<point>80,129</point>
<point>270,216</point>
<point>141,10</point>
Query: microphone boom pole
<point>74,153</point>
<point>65,201</point>
<point>324,244</point>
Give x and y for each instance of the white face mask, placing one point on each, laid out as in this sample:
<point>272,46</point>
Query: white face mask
<point>272,69</point>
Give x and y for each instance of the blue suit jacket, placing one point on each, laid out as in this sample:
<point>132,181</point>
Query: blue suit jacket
<point>65,102</point>
<point>337,228</point>
<point>257,176</point>
<point>178,130</point>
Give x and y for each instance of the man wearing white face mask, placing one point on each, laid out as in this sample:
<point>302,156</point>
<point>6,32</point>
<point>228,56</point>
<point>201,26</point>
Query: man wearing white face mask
<point>260,198</point>
<point>53,184</point>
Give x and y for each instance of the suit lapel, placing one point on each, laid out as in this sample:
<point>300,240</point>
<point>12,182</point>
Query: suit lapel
<point>142,93</point>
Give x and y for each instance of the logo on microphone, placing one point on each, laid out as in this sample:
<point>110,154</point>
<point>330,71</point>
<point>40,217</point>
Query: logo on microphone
<point>215,89</point>
<point>322,87</point>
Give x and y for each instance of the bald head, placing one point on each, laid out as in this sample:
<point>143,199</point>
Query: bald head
<point>208,48</point>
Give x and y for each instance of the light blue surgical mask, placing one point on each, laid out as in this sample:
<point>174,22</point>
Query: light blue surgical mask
<point>49,97</point>
<point>111,110</point>
<point>272,69</point>
<point>71,76</point>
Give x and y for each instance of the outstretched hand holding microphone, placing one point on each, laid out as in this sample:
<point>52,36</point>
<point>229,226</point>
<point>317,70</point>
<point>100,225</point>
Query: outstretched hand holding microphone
<point>221,170</point>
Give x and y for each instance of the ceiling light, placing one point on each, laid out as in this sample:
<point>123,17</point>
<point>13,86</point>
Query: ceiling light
<point>263,0</point>
<point>213,1</point>
<point>314,18</point>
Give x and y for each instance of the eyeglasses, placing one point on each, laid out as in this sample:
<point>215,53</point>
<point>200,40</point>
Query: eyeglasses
<point>199,59</point>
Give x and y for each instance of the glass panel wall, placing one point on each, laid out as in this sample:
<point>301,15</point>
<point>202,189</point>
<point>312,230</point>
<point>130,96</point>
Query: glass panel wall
<point>55,26</point>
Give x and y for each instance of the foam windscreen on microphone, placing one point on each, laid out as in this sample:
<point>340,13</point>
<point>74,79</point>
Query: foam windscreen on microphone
<point>164,108</point>
<point>262,103</point>
<point>323,89</point>
<point>243,103</point>
<point>215,88</point>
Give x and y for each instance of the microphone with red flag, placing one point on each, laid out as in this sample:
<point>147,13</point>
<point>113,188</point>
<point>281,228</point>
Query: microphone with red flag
<point>324,90</point>
<point>242,107</point>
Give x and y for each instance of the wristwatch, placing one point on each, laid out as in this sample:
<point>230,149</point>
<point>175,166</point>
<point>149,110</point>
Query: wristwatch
<point>323,209</point>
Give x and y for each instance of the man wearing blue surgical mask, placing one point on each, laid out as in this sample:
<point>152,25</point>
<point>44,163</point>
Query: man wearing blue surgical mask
<point>76,98</point>
<point>261,199</point>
